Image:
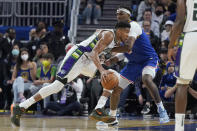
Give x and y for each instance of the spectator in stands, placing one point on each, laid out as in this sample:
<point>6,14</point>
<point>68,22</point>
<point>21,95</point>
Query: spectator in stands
<point>168,81</point>
<point>166,33</point>
<point>35,35</point>
<point>23,75</point>
<point>45,75</point>
<point>8,42</point>
<point>69,104</point>
<point>146,4</point>
<point>170,7</point>
<point>39,32</point>
<point>56,40</point>
<point>147,16</point>
<point>8,68</point>
<point>158,14</point>
<point>154,39</point>
<point>93,9</point>
<point>42,50</point>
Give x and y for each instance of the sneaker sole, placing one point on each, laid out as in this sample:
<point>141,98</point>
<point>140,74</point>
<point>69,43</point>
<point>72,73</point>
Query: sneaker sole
<point>163,122</point>
<point>103,119</point>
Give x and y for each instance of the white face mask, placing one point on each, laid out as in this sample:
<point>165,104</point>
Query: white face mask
<point>24,57</point>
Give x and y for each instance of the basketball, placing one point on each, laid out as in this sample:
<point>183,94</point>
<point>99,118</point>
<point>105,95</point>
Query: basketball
<point>111,81</point>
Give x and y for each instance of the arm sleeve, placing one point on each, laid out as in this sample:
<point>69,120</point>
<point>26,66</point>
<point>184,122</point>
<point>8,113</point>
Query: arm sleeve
<point>135,30</point>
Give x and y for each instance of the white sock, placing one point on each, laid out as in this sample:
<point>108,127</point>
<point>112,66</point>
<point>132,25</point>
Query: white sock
<point>112,112</point>
<point>179,122</point>
<point>160,105</point>
<point>26,104</point>
<point>101,103</point>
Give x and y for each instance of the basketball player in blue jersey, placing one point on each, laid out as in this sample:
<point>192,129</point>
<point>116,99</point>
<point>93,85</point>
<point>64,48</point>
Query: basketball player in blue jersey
<point>143,61</point>
<point>186,63</point>
<point>82,59</point>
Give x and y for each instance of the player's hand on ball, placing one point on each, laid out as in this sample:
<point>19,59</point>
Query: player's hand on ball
<point>104,74</point>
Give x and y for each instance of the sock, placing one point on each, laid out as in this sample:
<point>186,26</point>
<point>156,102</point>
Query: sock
<point>101,103</point>
<point>160,105</point>
<point>179,122</point>
<point>26,104</point>
<point>112,112</point>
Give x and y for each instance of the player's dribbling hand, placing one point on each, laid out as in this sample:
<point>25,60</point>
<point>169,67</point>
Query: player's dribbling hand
<point>104,75</point>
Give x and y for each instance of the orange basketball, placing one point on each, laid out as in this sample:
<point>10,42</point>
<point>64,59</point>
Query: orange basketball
<point>111,81</point>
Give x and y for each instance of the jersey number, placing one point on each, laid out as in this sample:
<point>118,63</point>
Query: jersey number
<point>195,12</point>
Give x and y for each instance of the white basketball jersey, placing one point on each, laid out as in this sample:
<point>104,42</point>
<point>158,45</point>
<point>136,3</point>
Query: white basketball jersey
<point>92,40</point>
<point>191,19</point>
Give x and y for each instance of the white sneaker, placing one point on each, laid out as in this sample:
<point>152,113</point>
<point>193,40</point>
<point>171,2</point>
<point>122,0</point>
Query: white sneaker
<point>95,21</point>
<point>88,21</point>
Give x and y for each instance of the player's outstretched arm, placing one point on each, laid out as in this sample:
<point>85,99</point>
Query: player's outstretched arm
<point>104,41</point>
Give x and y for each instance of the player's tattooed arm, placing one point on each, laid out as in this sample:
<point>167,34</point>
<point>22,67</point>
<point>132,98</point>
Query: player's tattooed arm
<point>127,47</point>
<point>104,41</point>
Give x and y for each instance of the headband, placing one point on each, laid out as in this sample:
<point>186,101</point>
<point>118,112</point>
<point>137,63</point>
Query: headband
<point>124,10</point>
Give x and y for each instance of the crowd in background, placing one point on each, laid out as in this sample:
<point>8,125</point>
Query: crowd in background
<point>25,68</point>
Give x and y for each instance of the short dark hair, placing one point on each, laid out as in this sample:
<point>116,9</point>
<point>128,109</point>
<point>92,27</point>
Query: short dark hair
<point>122,25</point>
<point>48,56</point>
<point>148,10</point>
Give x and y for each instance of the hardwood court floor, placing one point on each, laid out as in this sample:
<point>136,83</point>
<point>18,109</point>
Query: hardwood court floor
<point>29,123</point>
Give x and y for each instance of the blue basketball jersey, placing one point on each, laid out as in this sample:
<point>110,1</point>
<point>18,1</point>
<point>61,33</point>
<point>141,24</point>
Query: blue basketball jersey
<point>142,50</point>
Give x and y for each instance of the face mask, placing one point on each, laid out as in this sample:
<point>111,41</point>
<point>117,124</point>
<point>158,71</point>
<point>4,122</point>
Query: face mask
<point>45,63</point>
<point>24,57</point>
<point>15,52</point>
<point>158,13</point>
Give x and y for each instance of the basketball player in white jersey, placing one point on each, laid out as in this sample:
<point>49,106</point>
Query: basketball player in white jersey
<point>186,62</point>
<point>82,59</point>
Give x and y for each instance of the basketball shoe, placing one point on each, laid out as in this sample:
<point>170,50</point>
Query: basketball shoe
<point>100,115</point>
<point>16,112</point>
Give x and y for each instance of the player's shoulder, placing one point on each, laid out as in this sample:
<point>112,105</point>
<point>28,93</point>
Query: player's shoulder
<point>134,24</point>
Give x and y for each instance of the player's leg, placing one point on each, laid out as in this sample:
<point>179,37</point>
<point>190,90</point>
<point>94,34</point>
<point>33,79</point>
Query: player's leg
<point>123,83</point>
<point>148,74</point>
<point>185,68</point>
<point>67,72</point>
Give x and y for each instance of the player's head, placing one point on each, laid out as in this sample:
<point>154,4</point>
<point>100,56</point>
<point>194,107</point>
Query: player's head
<point>122,30</point>
<point>123,14</point>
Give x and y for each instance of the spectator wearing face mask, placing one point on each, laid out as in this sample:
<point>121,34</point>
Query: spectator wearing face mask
<point>23,75</point>
<point>8,68</point>
<point>7,42</point>
<point>45,75</point>
<point>158,14</point>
